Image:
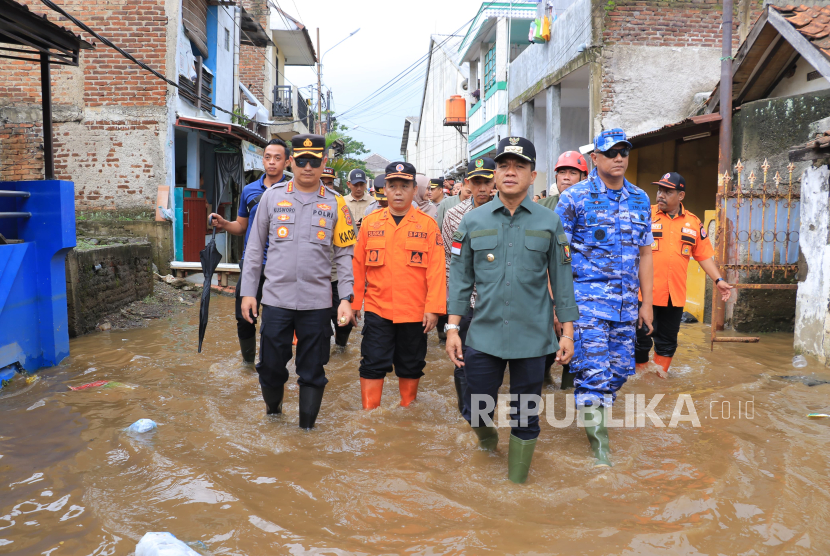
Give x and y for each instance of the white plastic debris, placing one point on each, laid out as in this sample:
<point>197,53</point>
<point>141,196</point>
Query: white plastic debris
<point>799,362</point>
<point>162,544</point>
<point>142,425</point>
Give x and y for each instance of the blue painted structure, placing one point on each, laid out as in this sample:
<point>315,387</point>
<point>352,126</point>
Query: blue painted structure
<point>34,331</point>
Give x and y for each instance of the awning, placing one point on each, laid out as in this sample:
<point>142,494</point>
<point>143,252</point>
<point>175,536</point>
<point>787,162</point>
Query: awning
<point>690,128</point>
<point>26,36</point>
<point>224,129</point>
<point>294,40</point>
<point>252,32</point>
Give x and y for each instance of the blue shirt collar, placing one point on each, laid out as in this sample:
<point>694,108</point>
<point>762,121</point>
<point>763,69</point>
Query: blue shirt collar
<point>598,186</point>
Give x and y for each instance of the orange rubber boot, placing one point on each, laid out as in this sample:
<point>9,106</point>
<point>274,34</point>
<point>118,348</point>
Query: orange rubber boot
<point>640,367</point>
<point>295,340</point>
<point>371,390</point>
<point>664,362</point>
<point>409,390</point>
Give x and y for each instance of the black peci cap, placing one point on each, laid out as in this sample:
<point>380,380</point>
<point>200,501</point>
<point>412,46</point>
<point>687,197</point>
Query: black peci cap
<point>482,167</point>
<point>400,171</point>
<point>516,146</point>
<point>672,180</point>
<point>308,145</point>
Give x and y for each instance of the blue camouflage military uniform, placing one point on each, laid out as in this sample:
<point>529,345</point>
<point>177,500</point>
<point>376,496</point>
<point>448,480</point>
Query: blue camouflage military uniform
<point>606,229</point>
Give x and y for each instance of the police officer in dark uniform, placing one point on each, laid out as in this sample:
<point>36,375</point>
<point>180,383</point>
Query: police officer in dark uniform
<point>300,221</point>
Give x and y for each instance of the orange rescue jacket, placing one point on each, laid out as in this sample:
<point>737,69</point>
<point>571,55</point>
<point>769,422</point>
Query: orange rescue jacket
<point>402,265</point>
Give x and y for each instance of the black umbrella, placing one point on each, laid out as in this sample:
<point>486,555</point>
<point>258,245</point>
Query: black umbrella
<point>210,257</point>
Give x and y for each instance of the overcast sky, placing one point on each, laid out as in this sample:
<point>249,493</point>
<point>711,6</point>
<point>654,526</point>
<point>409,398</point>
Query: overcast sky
<point>392,36</point>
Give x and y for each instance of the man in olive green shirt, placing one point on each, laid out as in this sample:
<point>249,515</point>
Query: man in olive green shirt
<point>507,249</point>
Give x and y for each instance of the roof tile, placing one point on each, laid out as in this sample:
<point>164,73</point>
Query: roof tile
<point>812,22</point>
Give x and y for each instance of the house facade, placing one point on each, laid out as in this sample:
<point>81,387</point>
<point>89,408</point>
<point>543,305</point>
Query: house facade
<point>495,38</point>
<point>614,64</point>
<point>129,141</point>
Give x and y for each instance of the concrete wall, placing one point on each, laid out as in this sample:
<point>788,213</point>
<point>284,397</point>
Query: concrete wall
<point>158,234</point>
<point>812,309</point>
<point>643,89</point>
<point>102,280</point>
<point>570,32</point>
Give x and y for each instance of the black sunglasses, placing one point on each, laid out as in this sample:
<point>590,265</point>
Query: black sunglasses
<point>303,162</point>
<point>612,153</point>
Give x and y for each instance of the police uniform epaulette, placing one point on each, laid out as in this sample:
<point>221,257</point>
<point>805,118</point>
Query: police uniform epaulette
<point>283,183</point>
<point>336,194</point>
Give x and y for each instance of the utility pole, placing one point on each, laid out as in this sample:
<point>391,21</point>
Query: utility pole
<point>724,160</point>
<point>319,87</point>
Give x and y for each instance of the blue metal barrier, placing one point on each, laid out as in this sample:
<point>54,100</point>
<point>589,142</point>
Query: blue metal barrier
<point>40,215</point>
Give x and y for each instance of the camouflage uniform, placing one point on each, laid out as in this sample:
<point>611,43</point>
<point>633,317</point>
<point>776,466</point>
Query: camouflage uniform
<point>606,229</point>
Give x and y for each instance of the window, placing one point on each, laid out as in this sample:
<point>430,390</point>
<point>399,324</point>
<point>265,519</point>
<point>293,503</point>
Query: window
<point>490,68</point>
<point>227,40</point>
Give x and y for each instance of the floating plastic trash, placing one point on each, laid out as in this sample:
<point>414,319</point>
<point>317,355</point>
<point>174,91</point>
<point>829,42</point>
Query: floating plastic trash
<point>90,385</point>
<point>162,544</point>
<point>817,415</point>
<point>142,425</point>
<point>799,362</point>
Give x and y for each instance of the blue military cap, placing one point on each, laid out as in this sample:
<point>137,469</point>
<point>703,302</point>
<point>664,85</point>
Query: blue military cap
<point>607,139</point>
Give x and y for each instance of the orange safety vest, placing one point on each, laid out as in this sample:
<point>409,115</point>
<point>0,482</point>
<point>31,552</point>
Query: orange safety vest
<point>675,240</point>
<point>402,266</point>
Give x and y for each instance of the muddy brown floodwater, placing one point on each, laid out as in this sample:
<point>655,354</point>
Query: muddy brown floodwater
<point>221,475</point>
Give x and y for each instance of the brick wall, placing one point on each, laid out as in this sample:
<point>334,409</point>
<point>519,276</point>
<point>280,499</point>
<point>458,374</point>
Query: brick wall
<point>110,115</point>
<point>21,151</point>
<point>102,280</point>
<point>252,62</point>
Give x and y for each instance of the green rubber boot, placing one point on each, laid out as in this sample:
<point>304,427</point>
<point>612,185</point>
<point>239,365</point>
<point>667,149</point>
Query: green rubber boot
<point>248,349</point>
<point>598,437</point>
<point>567,378</point>
<point>488,437</point>
<point>518,458</point>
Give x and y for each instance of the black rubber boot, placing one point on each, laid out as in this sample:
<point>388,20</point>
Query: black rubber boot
<point>460,385</point>
<point>341,335</point>
<point>273,399</point>
<point>548,376</point>
<point>248,349</point>
<point>567,377</point>
<point>310,401</point>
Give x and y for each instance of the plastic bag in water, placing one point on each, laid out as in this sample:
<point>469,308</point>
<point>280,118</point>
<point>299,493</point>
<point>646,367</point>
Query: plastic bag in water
<point>162,544</point>
<point>799,362</point>
<point>142,425</point>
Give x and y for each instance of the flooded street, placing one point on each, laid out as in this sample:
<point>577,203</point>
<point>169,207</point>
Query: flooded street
<point>222,476</point>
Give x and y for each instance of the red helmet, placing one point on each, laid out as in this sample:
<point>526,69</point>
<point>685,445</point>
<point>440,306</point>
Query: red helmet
<point>571,159</point>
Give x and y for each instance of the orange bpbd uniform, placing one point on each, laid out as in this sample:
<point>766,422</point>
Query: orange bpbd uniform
<point>675,241</point>
<point>403,266</point>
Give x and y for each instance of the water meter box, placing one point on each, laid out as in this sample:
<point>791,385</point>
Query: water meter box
<point>33,317</point>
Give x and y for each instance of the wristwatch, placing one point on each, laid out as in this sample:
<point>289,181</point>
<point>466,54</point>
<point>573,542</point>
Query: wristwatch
<point>718,280</point>
<point>448,327</point>
<point>350,299</point>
